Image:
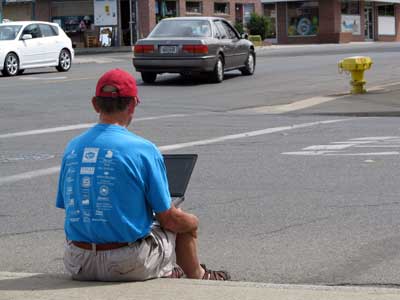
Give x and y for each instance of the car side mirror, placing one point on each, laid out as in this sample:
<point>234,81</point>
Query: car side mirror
<point>245,36</point>
<point>26,37</point>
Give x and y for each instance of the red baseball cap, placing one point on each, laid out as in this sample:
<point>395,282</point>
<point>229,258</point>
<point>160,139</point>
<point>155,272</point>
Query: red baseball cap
<point>122,81</point>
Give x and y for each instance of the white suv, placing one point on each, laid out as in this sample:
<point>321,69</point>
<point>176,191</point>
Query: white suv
<point>33,44</point>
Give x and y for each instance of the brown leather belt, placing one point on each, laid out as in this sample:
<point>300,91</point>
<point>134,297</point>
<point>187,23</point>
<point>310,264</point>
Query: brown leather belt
<point>99,247</point>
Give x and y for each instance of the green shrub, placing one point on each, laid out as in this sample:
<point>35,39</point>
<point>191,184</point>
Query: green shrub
<point>256,25</point>
<point>239,27</point>
<point>260,25</point>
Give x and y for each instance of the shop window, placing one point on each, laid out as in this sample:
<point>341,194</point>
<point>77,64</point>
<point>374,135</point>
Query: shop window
<point>303,18</point>
<point>194,7</point>
<point>74,24</point>
<point>165,9</point>
<point>350,7</point>
<point>171,8</point>
<point>386,10</point>
<point>221,8</point>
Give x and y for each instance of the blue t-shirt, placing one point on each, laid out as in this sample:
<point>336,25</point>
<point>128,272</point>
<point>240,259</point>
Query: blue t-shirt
<point>111,182</point>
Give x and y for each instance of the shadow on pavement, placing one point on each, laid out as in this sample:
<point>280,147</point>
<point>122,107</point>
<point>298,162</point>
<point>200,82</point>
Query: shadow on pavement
<point>178,80</point>
<point>43,282</point>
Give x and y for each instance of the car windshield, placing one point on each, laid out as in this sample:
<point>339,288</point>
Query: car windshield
<point>9,32</point>
<point>182,28</point>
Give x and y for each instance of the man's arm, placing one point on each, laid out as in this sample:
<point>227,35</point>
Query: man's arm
<point>178,221</point>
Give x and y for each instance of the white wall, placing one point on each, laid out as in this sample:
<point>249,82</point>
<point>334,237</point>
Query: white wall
<point>386,26</point>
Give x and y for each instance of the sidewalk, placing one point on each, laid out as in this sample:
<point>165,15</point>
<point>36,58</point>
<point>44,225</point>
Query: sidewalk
<point>274,49</point>
<point>17,286</point>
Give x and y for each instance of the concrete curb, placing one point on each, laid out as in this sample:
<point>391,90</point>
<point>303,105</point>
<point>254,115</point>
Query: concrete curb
<point>279,50</point>
<point>58,286</point>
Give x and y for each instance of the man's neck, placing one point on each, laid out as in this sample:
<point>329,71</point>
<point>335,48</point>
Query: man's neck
<point>114,120</point>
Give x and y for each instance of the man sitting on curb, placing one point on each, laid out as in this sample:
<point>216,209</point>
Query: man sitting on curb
<point>111,184</point>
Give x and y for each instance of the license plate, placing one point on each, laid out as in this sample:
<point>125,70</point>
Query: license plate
<point>168,49</point>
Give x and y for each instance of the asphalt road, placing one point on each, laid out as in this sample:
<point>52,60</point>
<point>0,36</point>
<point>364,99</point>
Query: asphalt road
<point>306,196</point>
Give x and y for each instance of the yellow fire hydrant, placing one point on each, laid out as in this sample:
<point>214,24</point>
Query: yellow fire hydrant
<point>356,65</point>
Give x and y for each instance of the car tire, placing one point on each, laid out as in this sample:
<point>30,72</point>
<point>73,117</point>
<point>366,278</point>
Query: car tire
<point>149,77</point>
<point>11,65</point>
<point>217,75</point>
<point>64,61</point>
<point>250,64</point>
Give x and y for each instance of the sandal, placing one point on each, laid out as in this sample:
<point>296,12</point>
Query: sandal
<point>214,275</point>
<point>177,272</point>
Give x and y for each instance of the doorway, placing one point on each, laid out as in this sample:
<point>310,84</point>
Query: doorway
<point>369,22</point>
<point>270,12</point>
<point>125,22</point>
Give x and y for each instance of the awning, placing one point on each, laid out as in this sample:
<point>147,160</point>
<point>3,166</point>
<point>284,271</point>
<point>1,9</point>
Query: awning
<point>274,1</point>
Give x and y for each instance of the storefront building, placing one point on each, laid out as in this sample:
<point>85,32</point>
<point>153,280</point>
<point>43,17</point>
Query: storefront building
<point>332,21</point>
<point>103,23</point>
<point>236,11</point>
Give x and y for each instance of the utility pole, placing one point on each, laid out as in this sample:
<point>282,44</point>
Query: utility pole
<point>133,21</point>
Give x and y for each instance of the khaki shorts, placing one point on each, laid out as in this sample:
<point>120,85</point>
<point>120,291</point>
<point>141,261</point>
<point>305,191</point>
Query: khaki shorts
<point>151,257</point>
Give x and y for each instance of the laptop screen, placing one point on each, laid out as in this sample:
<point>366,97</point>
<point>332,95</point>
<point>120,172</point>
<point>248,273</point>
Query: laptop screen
<point>179,169</point>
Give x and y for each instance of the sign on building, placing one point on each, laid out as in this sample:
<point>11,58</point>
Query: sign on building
<point>105,12</point>
<point>351,23</point>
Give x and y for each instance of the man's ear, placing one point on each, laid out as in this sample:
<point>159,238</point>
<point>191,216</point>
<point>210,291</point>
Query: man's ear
<point>95,106</point>
<point>131,106</point>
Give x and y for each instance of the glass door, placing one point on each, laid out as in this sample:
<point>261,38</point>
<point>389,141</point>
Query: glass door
<point>369,23</point>
<point>271,13</point>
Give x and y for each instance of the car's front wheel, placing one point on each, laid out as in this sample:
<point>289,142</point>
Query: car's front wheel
<point>11,65</point>
<point>250,64</point>
<point>64,61</point>
<point>217,75</point>
<point>149,77</point>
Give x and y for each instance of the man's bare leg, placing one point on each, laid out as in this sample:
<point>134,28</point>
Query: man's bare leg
<point>186,255</point>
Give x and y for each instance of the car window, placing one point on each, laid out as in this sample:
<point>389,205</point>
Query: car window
<point>182,28</point>
<point>230,31</point>
<point>55,29</point>
<point>33,30</point>
<point>46,30</point>
<point>221,30</point>
<point>9,32</point>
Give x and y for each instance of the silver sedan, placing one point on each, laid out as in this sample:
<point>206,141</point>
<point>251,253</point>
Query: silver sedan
<point>188,45</point>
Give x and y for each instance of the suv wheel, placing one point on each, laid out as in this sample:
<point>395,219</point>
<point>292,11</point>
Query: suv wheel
<point>149,77</point>
<point>11,65</point>
<point>64,61</point>
<point>217,75</point>
<point>250,64</point>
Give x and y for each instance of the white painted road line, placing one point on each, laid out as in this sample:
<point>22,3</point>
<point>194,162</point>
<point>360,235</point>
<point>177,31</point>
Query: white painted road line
<point>77,127</point>
<point>329,147</point>
<point>365,154</point>
<point>43,78</point>
<point>247,134</point>
<point>29,175</point>
<point>53,170</point>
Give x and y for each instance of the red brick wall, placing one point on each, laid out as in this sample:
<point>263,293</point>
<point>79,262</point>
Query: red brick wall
<point>42,10</point>
<point>147,18</point>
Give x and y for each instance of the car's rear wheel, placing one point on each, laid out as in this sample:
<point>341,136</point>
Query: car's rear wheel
<point>64,61</point>
<point>149,77</point>
<point>250,65</point>
<point>11,65</point>
<point>217,75</point>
